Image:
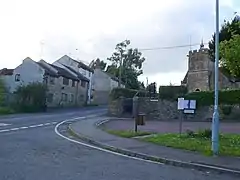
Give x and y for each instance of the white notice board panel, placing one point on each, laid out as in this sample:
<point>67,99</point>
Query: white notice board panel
<point>180,103</point>
<point>193,104</point>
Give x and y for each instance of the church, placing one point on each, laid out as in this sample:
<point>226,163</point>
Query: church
<point>200,74</point>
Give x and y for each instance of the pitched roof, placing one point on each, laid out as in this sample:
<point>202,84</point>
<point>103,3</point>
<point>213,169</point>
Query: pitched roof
<point>6,72</point>
<point>80,64</point>
<point>48,71</point>
<point>80,76</point>
<point>64,73</point>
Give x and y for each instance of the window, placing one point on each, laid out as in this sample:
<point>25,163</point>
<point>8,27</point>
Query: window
<point>84,72</point>
<point>71,97</point>
<point>65,81</point>
<point>64,97</point>
<point>52,80</point>
<point>17,77</point>
<point>50,97</point>
<point>83,83</point>
<point>73,83</point>
<point>89,73</point>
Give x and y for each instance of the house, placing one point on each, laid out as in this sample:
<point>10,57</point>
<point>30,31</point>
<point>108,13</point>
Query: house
<point>102,84</point>
<point>78,67</point>
<point>65,87</point>
<point>200,74</point>
<point>6,76</point>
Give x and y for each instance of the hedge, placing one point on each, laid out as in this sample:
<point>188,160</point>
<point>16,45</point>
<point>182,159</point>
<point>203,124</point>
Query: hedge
<point>206,98</point>
<point>127,93</point>
<point>171,92</point>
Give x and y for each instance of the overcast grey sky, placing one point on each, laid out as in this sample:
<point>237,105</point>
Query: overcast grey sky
<point>94,27</point>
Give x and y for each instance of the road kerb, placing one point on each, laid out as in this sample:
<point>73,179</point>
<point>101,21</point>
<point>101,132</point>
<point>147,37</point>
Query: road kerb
<point>166,161</point>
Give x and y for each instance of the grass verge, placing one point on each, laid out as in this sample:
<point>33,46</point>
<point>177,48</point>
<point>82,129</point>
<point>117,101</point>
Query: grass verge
<point>127,134</point>
<point>229,143</point>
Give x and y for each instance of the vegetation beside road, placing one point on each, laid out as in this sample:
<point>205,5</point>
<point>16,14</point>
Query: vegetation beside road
<point>199,142</point>
<point>193,141</point>
<point>128,133</point>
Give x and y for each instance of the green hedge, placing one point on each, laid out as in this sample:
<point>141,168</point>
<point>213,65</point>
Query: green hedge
<point>127,93</point>
<point>206,98</point>
<point>171,92</point>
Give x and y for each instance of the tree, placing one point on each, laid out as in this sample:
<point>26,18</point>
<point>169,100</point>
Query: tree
<point>2,92</point>
<point>230,53</point>
<point>98,63</point>
<point>152,89</point>
<point>126,64</point>
<point>228,29</point>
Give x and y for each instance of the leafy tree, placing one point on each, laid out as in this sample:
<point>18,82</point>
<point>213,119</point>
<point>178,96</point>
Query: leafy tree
<point>128,61</point>
<point>2,92</point>
<point>152,89</point>
<point>230,53</point>
<point>99,63</point>
<point>228,29</point>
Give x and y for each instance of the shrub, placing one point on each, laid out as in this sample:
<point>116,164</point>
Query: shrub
<point>30,98</point>
<point>226,109</point>
<point>172,92</point>
<point>127,93</point>
<point>206,133</point>
<point>6,110</point>
<point>206,98</point>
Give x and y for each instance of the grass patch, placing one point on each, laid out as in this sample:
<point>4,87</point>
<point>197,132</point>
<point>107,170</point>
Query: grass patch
<point>128,134</point>
<point>229,143</point>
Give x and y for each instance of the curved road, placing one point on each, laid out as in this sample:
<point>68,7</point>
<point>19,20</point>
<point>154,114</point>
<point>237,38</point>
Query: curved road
<point>30,149</point>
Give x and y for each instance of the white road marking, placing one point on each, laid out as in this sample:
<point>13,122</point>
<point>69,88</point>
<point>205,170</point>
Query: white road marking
<point>14,129</point>
<point>28,127</point>
<point>4,124</point>
<point>5,130</point>
<point>95,147</point>
<point>24,127</point>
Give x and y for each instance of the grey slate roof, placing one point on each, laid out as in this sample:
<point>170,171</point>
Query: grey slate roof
<point>64,73</point>
<point>48,71</point>
<point>80,76</point>
<point>81,64</point>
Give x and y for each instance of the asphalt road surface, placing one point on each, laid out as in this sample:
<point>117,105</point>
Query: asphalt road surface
<point>30,149</point>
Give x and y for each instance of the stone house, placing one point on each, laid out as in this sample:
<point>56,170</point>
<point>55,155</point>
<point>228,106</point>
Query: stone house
<point>102,85</point>
<point>200,74</point>
<point>79,67</point>
<point>65,87</point>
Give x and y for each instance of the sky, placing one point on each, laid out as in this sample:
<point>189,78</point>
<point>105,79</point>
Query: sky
<point>90,29</point>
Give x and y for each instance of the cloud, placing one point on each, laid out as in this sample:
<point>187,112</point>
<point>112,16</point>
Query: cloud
<point>94,27</point>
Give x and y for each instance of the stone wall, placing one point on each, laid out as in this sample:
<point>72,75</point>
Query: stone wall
<point>167,110</point>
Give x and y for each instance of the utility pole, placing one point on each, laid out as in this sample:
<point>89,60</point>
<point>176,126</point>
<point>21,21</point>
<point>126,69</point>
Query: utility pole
<point>215,120</point>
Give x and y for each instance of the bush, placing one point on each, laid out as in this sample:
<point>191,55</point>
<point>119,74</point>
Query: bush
<point>127,93</point>
<point>172,92</point>
<point>226,109</point>
<point>6,110</point>
<point>30,98</point>
<point>206,133</point>
<point>206,98</point>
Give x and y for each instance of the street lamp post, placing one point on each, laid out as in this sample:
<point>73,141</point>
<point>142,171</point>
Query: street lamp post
<point>215,120</point>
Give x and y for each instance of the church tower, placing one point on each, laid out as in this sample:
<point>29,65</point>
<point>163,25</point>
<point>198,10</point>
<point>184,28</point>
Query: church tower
<point>200,69</point>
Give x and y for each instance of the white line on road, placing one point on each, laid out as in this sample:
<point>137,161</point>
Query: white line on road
<point>4,130</point>
<point>28,127</point>
<point>95,147</point>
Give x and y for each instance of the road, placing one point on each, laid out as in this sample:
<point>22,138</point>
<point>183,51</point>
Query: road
<point>30,149</point>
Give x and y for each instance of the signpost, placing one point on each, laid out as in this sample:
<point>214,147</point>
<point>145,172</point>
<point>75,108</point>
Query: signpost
<point>186,107</point>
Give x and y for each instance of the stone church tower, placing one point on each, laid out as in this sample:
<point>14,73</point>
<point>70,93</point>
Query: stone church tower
<point>200,70</point>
